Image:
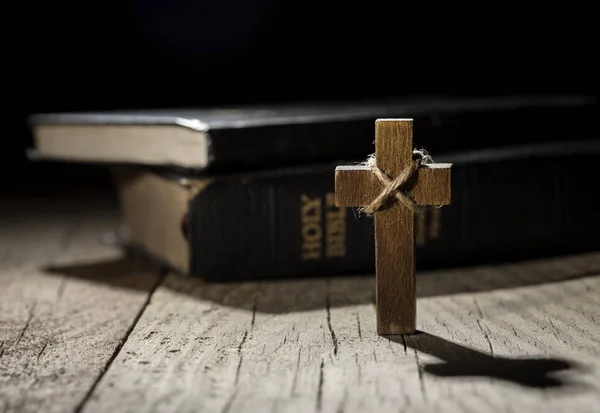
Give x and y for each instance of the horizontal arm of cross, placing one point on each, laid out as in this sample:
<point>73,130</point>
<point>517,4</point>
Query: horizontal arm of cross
<point>357,186</point>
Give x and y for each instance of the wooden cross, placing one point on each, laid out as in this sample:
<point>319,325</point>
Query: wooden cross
<point>394,223</point>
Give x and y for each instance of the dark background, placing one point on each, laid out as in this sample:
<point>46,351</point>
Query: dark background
<point>73,56</point>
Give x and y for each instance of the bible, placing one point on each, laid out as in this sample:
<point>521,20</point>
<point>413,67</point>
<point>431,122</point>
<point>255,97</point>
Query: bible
<point>508,203</point>
<point>240,139</point>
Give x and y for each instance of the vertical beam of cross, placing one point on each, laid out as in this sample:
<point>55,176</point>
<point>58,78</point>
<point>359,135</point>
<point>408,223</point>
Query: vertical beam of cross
<point>394,228</point>
<point>394,222</point>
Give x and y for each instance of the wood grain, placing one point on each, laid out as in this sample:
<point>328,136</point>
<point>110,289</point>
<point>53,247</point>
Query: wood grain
<point>533,347</point>
<point>518,337</point>
<point>394,223</point>
<point>394,236</point>
<point>358,186</point>
<point>233,347</point>
<point>66,305</point>
<point>527,339</point>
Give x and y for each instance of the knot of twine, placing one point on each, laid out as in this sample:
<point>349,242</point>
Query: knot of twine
<point>391,187</point>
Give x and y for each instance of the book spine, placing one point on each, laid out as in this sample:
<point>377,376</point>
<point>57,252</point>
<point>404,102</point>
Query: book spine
<point>276,226</point>
<point>287,225</point>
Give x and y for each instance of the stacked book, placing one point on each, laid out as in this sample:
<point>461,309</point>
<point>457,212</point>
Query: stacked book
<point>225,194</point>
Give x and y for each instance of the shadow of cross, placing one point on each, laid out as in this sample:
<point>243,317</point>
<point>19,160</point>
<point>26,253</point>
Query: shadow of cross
<point>429,184</point>
<point>461,361</point>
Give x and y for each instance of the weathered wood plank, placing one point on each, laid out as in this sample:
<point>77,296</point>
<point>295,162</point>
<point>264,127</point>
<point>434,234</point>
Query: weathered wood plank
<point>67,302</point>
<point>514,342</point>
<point>531,347</point>
<point>208,348</point>
<point>39,229</point>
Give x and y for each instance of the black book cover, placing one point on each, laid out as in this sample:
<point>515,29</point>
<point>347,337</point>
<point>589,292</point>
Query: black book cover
<point>512,203</point>
<point>253,138</point>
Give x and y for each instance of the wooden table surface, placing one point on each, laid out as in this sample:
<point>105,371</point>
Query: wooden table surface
<point>85,327</point>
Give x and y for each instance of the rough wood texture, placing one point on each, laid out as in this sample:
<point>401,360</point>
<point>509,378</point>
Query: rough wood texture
<point>526,338</point>
<point>522,337</point>
<point>394,224</point>
<point>357,185</point>
<point>58,332</point>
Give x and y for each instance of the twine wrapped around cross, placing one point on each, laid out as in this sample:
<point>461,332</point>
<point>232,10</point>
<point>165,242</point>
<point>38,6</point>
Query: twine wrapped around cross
<point>392,186</point>
<point>410,180</point>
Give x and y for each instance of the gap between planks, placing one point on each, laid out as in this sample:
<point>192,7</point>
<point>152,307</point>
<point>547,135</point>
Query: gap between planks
<point>310,345</point>
<point>66,301</point>
<point>112,358</point>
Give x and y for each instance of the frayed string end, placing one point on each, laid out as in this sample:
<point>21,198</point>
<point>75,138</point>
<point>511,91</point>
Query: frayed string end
<point>391,186</point>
